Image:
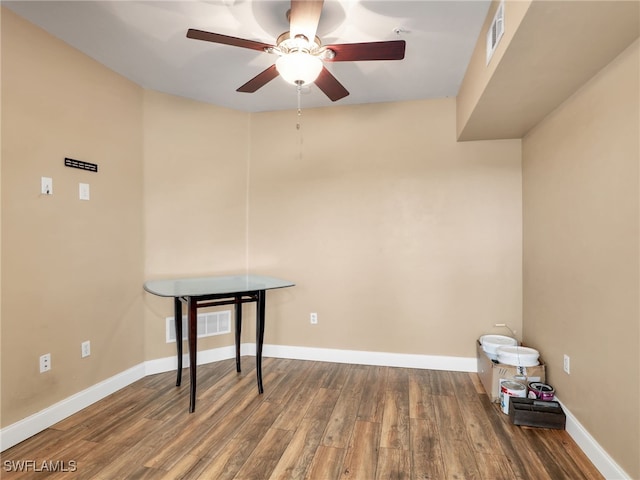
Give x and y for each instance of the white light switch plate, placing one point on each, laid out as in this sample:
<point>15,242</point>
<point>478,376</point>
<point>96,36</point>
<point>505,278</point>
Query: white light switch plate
<point>84,191</point>
<point>46,185</point>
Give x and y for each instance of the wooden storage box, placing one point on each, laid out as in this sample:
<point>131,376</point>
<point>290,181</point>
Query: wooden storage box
<point>491,373</point>
<point>536,413</point>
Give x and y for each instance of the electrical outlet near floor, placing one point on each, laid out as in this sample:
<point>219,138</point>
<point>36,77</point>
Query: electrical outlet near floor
<point>313,317</point>
<point>45,362</point>
<point>86,349</point>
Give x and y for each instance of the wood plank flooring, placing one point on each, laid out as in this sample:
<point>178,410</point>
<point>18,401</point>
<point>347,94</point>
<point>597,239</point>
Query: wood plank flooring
<point>318,421</point>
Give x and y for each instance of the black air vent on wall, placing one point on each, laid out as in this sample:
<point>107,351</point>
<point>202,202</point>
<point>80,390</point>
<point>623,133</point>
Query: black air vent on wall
<point>70,162</point>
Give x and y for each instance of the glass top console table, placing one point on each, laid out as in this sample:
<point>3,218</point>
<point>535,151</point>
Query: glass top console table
<point>200,292</point>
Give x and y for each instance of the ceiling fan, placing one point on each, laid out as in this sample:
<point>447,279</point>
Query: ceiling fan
<point>301,53</point>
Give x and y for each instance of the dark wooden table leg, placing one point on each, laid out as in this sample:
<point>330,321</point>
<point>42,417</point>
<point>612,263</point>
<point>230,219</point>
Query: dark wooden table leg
<point>192,305</point>
<point>260,336</point>
<point>238,306</point>
<point>177,317</point>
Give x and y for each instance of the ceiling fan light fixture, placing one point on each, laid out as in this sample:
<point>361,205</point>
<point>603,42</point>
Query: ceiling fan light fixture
<point>299,68</point>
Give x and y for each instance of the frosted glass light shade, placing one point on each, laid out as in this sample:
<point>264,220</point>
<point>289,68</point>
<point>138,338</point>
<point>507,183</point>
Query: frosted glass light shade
<point>299,67</point>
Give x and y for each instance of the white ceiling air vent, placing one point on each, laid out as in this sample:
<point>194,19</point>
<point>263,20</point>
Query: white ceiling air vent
<point>209,324</point>
<point>494,34</point>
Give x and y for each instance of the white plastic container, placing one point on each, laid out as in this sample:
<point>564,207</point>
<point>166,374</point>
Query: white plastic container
<point>490,344</point>
<point>518,356</point>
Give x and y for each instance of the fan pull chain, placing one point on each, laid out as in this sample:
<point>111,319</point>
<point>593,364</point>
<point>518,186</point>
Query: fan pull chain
<point>299,88</point>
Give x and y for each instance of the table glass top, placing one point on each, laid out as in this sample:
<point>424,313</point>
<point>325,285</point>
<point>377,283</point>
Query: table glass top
<point>228,284</point>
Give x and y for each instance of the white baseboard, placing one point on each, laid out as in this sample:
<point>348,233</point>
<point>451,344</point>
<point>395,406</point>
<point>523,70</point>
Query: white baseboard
<point>592,449</point>
<point>431,362</point>
<point>161,365</point>
<point>27,427</point>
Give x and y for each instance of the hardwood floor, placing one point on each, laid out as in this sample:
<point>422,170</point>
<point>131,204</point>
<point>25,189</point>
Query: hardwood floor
<point>316,420</point>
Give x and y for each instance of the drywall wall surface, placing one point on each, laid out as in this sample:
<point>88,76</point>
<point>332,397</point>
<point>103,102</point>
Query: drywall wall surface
<point>1,10</point>
<point>581,243</point>
<point>400,238</point>
<point>71,269</point>
<point>195,208</point>
<point>549,50</point>
<point>479,72</point>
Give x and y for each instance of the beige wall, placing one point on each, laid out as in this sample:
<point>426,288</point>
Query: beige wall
<point>400,238</point>
<point>426,228</point>
<point>1,10</point>
<point>479,73</point>
<point>410,237</point>
<point>195,202</point>
<point>71,269</point>
<point>549,49</point>
<point>581,288</point>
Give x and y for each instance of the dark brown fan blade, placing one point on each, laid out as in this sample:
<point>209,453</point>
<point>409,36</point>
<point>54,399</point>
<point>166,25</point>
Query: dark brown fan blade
<point>353,52</point>
<point>304,18</point>
<point>226,40</point>
<point>331,87</point>
<point>259,80</point>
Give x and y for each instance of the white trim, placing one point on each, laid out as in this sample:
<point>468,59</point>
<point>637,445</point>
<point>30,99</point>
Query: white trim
<point>29,426</point>
<point>161,365</point>
<point>431,362</point>
<point>606,465</point>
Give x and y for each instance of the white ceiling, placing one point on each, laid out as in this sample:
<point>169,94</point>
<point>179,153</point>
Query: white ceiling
<point>146,42</point>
